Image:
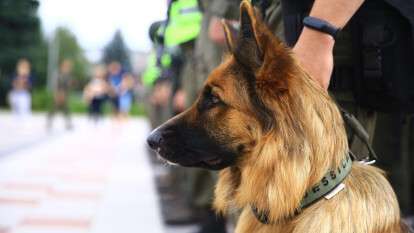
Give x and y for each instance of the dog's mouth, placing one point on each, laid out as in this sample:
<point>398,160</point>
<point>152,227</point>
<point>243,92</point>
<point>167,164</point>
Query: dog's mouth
<point>213,164</point>
<point>193,158</point>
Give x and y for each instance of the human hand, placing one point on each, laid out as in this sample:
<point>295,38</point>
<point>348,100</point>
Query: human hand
<point>314,51</point>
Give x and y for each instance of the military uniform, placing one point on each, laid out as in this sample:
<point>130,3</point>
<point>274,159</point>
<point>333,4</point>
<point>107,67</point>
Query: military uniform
<point>182,28</point>
<point>391,133</point>
<point>273,17</point>
<point>208,55</point>
<point>157,114</point>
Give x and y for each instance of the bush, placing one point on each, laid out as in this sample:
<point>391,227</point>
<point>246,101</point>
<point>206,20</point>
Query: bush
<point>42,101</point>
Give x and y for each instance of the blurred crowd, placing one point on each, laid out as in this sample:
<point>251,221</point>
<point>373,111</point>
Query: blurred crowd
<point>110,84</point>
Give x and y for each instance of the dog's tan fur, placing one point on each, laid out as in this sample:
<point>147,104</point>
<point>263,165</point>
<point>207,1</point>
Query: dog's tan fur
<point>307,139</point>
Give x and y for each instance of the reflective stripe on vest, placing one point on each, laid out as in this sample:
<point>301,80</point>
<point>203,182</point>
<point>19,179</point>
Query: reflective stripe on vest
<point>153,71</point>
<point>184,22</point>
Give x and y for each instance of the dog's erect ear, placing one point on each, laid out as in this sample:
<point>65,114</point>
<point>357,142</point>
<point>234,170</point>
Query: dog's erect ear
<point>248,52</point>
<point>229,33</point>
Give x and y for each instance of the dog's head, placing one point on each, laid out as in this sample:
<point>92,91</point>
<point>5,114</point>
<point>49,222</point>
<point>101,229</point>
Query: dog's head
<point>258,92</point>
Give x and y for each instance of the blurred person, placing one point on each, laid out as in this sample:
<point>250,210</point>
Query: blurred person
<point>183,27</point>
<point>61,94</point>
<point>115,78</point>
<point>178,36</point>
<point>157,77</point>
<point>126,95</point>
<point>208,53</point>
<point>96,92</point>
<point>19,96</point>
<point>161,80</point>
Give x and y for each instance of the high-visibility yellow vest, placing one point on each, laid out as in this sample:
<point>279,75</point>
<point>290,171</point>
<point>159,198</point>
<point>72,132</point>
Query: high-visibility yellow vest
<point>153,71</point>
<point>184,22</point>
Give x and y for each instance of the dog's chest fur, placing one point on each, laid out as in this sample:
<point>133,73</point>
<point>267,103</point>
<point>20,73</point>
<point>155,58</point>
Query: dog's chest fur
<point>355,209</point>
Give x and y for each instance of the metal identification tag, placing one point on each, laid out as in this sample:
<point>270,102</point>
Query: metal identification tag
<point>335,191</point>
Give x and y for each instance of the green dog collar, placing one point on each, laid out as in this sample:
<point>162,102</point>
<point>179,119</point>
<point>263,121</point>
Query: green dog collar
<point>330,184</point>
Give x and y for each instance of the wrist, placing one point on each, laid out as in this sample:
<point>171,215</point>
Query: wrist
<point>314,51</point>
<point>316,41</point>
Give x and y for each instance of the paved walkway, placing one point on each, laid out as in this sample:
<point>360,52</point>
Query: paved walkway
<point>95,178</point>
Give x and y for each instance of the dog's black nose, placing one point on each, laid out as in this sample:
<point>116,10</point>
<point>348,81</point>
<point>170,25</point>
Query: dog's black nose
<point>154,140</point>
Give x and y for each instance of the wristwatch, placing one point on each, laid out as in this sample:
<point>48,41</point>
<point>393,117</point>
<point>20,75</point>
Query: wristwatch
<point>321,25</point>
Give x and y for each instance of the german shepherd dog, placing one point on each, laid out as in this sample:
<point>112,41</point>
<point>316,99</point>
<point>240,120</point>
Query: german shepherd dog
<point>274,133</point>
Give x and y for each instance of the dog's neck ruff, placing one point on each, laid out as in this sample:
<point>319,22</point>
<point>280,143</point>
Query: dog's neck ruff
<point>331,182</point>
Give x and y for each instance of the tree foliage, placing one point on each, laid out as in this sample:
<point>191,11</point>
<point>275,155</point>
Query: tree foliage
<point>116,50</point>
<point>69,48</point>
<point>21,37</point>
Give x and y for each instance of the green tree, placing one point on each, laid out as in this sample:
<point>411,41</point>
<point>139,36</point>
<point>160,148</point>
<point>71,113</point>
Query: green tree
<point>69,48</point>
<point>116,50</point>
<point>21,37</point>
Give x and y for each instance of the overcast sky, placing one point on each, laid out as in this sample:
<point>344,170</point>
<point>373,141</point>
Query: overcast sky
<point>95,21</point>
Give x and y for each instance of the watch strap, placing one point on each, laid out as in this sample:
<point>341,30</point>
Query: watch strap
<point>321,25</point>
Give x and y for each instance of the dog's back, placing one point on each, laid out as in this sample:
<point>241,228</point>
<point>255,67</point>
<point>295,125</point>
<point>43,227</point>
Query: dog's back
<point>367,204</point>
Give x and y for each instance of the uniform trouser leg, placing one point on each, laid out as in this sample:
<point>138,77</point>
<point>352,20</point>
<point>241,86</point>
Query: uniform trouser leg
<point>393,142</point>
<point>392,137</point>
<point>202,183</point>
<point>194,185</point>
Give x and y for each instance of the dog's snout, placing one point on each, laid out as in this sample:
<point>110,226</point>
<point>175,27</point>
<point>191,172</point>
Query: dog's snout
<point>154,140</point>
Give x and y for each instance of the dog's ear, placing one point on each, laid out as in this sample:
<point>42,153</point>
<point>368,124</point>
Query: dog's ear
<point>248,52</point>
<point>229,33</point>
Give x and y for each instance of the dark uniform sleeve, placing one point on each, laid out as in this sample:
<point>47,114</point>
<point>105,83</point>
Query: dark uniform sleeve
<point>228,9</point>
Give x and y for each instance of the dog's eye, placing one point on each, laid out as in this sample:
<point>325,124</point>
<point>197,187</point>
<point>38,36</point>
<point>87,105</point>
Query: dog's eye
<point>214,99</point>
<point>209,101</point>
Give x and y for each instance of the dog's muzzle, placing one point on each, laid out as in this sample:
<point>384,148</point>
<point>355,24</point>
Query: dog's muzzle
<point>192,150</point>
<point>154,140</point>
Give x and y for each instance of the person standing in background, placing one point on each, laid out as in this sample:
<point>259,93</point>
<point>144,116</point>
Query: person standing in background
<point>208,53</point>
<point>115,79</point>
<point>126,95</point>
<point>61,94</point>
<point>179,33</point>
<point>19,97</point>
<point>157,77</point>
<point>96,91</point>
<point>182,28</point>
